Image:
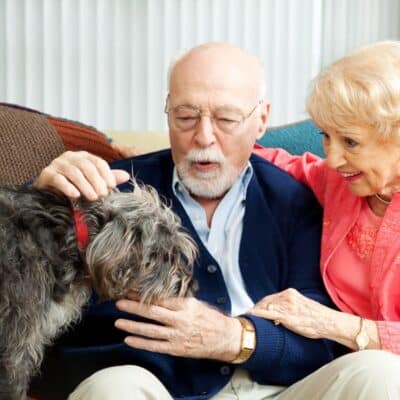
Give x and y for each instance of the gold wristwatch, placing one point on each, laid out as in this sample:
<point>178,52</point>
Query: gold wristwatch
<point>362,338</point>
<point>248,342</point>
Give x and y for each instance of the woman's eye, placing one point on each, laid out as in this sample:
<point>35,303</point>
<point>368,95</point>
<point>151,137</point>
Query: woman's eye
<point>325,136</point>
<point>350,142</point>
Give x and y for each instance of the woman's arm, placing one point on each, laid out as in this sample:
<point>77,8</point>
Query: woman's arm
<point>311,319</point>
<point>389,334</point>
<point>307,168</point>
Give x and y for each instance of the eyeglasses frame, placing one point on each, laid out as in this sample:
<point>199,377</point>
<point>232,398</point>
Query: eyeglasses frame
<point>244,118</point>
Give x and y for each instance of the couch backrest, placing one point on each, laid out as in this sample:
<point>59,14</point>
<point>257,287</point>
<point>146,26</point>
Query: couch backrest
<point>29,140</point>
<point>296,138</point>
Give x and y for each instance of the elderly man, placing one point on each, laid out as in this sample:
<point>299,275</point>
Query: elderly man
<point>258,232</point>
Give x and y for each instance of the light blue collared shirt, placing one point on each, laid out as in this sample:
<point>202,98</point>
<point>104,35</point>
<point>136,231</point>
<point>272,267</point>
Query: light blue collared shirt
<point>222,239</point>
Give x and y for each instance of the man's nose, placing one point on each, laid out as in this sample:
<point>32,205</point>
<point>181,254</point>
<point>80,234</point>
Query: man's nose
<point>334,156</point>
<point>205,132</point>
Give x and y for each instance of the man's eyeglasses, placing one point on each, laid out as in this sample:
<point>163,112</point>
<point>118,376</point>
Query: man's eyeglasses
<point>185,118</point>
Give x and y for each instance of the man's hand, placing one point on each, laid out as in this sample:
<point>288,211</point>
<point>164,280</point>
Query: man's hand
<point>76,173</point>
<point>189,328</point>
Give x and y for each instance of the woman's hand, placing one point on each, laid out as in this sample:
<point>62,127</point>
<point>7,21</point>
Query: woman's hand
<point>297,313</point>
<point>311,319</point>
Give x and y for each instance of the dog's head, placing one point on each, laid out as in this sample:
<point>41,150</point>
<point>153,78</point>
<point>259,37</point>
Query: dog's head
<point>140,247</point>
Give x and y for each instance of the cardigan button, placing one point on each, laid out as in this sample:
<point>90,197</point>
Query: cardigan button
<point>225,370</point>
<point>221,300</point>
<point>212,269</point>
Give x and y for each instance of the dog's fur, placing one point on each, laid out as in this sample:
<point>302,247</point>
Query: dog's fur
<point>136,244</point>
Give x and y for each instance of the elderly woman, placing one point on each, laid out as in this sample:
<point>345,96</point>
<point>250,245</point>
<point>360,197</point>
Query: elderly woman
<point>356,103</point>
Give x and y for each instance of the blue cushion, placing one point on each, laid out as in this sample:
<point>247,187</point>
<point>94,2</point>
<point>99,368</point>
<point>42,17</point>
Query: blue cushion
<point>296,138</point>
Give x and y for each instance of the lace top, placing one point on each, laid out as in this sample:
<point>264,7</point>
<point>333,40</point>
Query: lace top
<point>351,274</point>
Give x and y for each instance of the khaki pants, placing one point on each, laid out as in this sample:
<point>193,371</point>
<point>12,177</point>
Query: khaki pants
<point>364,375</point>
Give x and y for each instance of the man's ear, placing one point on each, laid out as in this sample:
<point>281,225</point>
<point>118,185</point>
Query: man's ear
<point>263,118</point>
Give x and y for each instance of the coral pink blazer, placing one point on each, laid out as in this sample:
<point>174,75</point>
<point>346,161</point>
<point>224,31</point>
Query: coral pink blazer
<point>341,211</point>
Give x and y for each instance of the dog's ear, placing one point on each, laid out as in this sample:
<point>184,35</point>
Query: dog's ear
<point>110,255</point>
<point>117,250</point>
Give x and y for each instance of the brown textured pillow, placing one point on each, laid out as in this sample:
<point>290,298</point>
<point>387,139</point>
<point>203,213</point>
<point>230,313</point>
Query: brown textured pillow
<point>30,140</point>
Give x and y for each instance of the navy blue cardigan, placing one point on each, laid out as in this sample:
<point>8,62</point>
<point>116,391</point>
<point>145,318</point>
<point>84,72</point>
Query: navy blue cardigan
<point>279,249</point>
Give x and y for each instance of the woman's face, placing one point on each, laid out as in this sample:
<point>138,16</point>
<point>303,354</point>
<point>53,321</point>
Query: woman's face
<point>367,163</point>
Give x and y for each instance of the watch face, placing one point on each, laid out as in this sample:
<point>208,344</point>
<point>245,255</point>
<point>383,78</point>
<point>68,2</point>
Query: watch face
<point>249,340</point>
<point>362,340</point>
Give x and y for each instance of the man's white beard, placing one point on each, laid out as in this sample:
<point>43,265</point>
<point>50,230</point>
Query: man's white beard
<point>210,184</point>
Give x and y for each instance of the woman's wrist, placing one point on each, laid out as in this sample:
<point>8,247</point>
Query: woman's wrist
<point>344,329</point>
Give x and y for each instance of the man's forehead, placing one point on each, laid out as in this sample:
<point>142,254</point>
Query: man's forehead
<point>211,99</point>
<point>211,89</point>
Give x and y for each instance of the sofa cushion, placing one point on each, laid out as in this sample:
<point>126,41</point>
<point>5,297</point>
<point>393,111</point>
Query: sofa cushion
<point>296,138</point>
<point>30,140</point>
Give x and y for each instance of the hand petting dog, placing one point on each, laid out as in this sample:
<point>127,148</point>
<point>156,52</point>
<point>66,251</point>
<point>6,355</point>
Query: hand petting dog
<point>80,173</point>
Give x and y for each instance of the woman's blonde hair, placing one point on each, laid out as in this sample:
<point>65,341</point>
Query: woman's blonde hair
<point>360,89</point>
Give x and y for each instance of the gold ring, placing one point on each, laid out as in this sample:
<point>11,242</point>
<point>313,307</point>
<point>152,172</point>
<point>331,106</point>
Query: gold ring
<point>276,322</point>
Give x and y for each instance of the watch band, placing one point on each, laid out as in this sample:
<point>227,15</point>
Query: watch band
<point>362,338</point>
<point>248,341</point>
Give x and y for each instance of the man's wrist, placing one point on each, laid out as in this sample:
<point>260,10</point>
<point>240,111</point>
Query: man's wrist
<point>248,341</point>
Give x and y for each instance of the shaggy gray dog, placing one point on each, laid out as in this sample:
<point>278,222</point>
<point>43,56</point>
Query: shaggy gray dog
<point>135,244</point>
